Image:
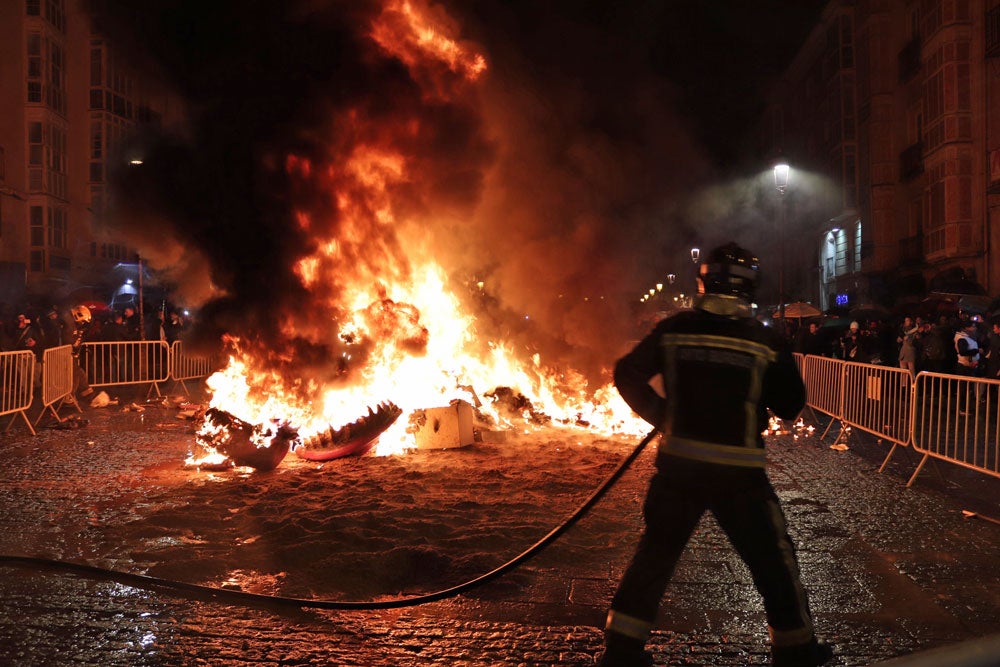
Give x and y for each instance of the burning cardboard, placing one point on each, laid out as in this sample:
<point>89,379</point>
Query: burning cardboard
<point>239,443</point>
<point>443,428</point>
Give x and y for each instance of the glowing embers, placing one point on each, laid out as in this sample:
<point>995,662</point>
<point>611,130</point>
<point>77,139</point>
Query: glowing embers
<point>353,439</point>
<point>225,441</point>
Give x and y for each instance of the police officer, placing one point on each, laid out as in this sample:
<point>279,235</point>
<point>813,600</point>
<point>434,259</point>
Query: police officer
<point>721,371</point>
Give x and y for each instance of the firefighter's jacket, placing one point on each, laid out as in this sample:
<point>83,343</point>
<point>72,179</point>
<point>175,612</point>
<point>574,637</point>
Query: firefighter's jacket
<point>721,370</point>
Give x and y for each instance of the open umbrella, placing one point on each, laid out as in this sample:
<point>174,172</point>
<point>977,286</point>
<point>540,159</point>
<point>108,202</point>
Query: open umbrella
<point>799,309</point>
<point>836,323</point>
<point>975,304</point>
<point>870,311</point>
<point>935,305</point>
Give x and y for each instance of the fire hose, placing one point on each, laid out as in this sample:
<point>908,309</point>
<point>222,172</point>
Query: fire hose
<point>212,593</point>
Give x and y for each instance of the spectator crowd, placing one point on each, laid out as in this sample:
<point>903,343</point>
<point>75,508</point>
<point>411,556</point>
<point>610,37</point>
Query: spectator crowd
<point>37,330</point>
<point>963,344</point>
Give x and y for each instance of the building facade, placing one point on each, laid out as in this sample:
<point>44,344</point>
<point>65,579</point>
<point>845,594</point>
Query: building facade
<point>895,104</point>
<point>68,103</point>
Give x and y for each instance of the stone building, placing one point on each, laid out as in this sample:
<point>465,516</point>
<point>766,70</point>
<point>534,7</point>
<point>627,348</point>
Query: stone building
<point>68,103</point>
<point>895,104</point>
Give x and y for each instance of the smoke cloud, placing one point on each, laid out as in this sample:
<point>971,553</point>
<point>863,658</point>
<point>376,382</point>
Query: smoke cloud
<point>558,178</point>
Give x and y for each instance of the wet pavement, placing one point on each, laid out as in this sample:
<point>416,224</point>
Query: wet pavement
<point>890,570</point>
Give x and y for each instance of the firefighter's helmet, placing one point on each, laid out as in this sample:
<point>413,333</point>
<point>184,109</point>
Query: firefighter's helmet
<point>730,270</point>
<point>81,314</point>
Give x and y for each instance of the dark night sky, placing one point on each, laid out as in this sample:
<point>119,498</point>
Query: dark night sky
<point>594,120</point>
<point>719,56</point>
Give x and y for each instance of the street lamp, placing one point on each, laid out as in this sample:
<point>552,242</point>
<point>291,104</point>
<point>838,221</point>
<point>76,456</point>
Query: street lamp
<point>695,254</point>
<point>781,183</point>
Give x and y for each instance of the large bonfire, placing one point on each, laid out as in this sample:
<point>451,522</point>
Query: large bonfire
<point>399,330</point>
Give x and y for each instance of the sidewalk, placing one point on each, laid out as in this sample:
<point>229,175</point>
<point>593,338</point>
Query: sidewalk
<point>890,570</point>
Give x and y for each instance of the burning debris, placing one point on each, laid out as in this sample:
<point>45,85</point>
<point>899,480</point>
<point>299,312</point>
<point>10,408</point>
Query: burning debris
<point>226,441</point>
<point>516,406</point>
<point>354,439</point>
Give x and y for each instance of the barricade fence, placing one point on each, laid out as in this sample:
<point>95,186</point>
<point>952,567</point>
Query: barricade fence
<point>108,364</point>
<point>956,419</point>
<point>185,366</point>
<point>57,380</point>
<point>946,417</point>
<point>17,372</point>
<point>952,418</point>
<point>102,364</point>
<point>877,399</point>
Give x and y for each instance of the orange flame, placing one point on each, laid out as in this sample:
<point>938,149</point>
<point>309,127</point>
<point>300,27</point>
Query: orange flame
<point>394,316</point>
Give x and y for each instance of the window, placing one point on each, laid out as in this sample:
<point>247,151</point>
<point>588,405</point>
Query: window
<point>37,261</point>
<point>57,162</point>
<point>846,43</point>
<point>34,7</point>
<point>36,218</point>
<point>96,66</point>
<point>840,266</point>
<point>57,79</point>
<point>55,13</point>
<point>57,232</point>
<point>857,247</point>
<point>96,140</point>
<point>35,68</point>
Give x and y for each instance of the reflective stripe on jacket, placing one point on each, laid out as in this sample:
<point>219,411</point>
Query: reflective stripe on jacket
<point>720,375</point>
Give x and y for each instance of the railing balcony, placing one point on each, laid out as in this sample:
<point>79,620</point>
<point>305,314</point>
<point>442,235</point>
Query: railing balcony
<point>911,161</point>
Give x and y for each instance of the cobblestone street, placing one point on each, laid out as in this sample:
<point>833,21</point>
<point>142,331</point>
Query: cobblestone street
<point>890,570</point>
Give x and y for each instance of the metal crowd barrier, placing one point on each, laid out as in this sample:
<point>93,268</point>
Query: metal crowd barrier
<point>105,364</point>
<point>17,371</point>
<point>877,399</point>
<point>57,381</point>
<point>957,419</point>
<point>824,380</point>
<point>952,418</point>
<point>185,366</point>
<point>126,362</point>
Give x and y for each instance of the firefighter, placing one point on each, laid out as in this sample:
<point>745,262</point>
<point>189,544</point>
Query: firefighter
<point>721,371</point>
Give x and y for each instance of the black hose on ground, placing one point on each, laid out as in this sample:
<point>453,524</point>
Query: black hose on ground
<point>242,597</point>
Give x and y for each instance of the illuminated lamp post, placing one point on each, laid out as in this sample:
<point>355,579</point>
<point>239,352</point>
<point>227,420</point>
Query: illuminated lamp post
<point>781,183</point>
<point>695,255</point>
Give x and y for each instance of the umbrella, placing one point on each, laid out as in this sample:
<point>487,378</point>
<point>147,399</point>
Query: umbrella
<point>868,312</point>
<point>799,309</point>
<point>96,307</point>
<point>934,306</point>
<point>975,304</point>
<point>836,322</point>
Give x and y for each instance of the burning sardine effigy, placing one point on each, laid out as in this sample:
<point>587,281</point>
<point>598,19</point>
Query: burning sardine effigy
<point>353,439</point>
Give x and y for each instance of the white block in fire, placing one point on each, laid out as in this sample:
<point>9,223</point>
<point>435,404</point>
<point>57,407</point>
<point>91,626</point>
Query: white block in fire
<point>443,428</point>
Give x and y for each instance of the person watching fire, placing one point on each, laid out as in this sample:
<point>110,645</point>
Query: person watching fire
<point>721,370</point>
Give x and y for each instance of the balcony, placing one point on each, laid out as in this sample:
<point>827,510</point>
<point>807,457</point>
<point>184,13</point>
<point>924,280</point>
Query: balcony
<point>909,60</point>
<point>911,161</point>
<point>993,33</point>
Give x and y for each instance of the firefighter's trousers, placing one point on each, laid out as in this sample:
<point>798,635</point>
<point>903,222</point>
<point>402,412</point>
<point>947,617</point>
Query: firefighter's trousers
<point>746,507</point>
